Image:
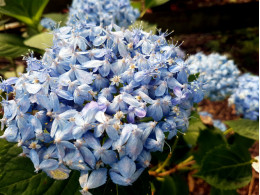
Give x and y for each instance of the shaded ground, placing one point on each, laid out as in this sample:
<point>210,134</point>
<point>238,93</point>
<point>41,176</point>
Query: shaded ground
<point>219,109</point>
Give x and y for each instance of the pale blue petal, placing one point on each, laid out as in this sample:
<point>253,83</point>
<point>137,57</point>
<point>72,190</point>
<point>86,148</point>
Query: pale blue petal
<point>93,64</point>
<point>88,156</point>
<point>34,158</point>
<point>134,147</point>
<point>33,88</point>
<point>97,178</point>
<point>118,179</point>
<point>49,164</point>
<point>126,167</point>
<point>112,132</point>
<point>109,157</point>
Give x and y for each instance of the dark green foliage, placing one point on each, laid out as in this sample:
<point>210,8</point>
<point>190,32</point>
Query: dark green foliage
<point>207,140</point>
<point>12,46</point>
<point>27,11</point>
<point>226,168</point>
<point>215,191</point>
<point>245,127</point>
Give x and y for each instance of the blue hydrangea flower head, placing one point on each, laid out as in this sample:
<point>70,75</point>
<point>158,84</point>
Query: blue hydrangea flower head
<point>48,23</point>
<point>217,72</point>
<point>102,98</point>
<point>246,97</point>
<point>103,12</point>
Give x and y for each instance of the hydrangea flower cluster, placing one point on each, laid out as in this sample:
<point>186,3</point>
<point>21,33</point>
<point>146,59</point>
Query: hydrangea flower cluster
<point>217,72</point>
<point>103,12</point>
<point>99,101</point>
<point>246,96</point>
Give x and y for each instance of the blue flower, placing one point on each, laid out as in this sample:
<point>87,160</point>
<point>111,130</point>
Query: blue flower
<point>87,104</point>
<point>102,12</point>
<point>217,73</point>
<point>124,172</point>
<point>246,97</point>
<point>93,180</point>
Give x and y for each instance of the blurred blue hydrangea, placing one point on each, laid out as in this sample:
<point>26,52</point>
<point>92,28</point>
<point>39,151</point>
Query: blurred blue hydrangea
<point>217,72</point>
<point>215,122</point>
<point>48,23</point>
<point>99,101</point>
<point>103,12</point>
<point>246,97</point>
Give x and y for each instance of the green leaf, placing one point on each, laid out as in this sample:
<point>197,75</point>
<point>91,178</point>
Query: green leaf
<point>245,127</point>
<point>27,11</point>
<point>40,41</point>
<point>154,3</point>
<point>215,191</point>
<point>146,119</point>
<point>59,18</point>
<point>208,139</point>
<point>193,77</point>
<point>173,185</point>
<point>192,134</point>
<point>137,5</point>
<point>225,168</point>
<point>12,46</point>
<point>17,176</point>
<point>168,186</point>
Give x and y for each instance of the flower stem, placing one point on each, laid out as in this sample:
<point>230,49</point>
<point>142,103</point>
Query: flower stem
<point>228,131</point>
<point>167,160</point>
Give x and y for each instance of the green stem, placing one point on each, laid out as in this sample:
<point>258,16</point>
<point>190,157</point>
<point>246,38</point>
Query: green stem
<point>167,160</point>
<point>228,131</point>
<point>116,189</point>
<point>190,158</point>
<point>143,8</point>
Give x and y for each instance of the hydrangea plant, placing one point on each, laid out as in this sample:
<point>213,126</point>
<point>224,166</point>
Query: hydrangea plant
<point>217,72</point>
<point>103,12</point>
<point>246,96</point>
<point>99,101</point>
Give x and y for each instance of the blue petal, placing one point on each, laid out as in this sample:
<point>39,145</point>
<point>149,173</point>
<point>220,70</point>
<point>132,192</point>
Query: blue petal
<point>97,178</point>
<point>129,99</point>
<point>92,142</point>
<point>140,112</point>
<point>34,158</point>
<point>109,157</point>
<point>112,132</point>
<point>122,49</point>
<point>126,167</point>
<point>49,164</point>
<point>155,111</point>
<point>134,147</point>
<point>137,175</point>
<point>65,94</point>
<point>160,90</point>
<point>99,40</point>
<point>93,64</point>
<point>88,156</point>
<point>33,88</point>
<point>182,77</point>
<point>118,179</point>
